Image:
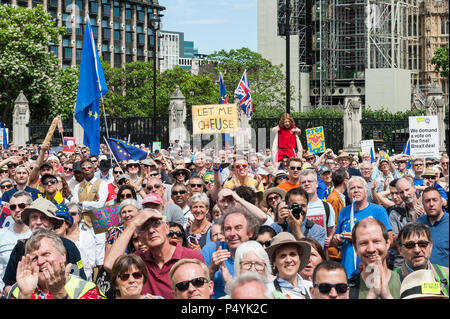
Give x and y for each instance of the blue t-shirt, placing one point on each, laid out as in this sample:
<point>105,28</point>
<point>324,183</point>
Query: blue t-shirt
<point>347,251</point>
<point>316,231</point>
<point>219,285</point>
<point>439,234</point>
<point>7,195</point>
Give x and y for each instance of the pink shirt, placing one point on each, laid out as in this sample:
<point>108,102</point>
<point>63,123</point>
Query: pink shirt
<point>158,282</point>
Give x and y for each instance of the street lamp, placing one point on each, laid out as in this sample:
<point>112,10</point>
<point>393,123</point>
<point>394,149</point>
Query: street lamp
<point>155,24</point>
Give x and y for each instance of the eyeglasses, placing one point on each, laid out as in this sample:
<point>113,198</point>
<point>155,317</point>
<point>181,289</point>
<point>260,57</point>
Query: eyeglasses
<point>87,167</point>
<point>196,282</point>
<point>177,233</point>
<point>150,187</point>
<point>247,265</point>
<point>116,172</point>
<point>325,288</point>
<point>12,165</point>
<point>420,243</point>
<point>181,192</point>
<point>6,186</point>
<point>3,172</point>
<point>196,185</point>
<point>49,182</point>
<point>429,177</point>
<point>265,243</point>
<point>122,181</point>
<point>399,162</point>
<point>133,165</point>
<point>295,168</point>
<point>154,174</point>
<point>180,173</point>
<point>276,197</point>
<point>14,206</point>
<point>154,223</point>
<point>136,275</point>
<point>210,181</point>
<point>418,164</point>
<point>122,196</point>
<point>239,166</point>
<point>282,177</point>
<point>68,169</point>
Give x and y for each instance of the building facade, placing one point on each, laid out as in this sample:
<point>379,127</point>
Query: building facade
<point>122,29</point>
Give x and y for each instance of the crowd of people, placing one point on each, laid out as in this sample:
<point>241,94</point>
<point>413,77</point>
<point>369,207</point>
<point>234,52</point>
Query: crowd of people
<point>201,224</point>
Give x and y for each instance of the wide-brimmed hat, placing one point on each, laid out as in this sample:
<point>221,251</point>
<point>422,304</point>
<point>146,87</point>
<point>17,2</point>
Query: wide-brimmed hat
<point>308,155</point>
<point>421,284</point>
<point>272,190</point>
<point>180,168</point>
<point>280,172</point>
<point>431,171</point>
<point>344,155</point>
<point>285,238</point>
<point>42,205</point>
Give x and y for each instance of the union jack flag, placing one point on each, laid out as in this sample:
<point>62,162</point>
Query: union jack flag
<point>243,94</point>
<point>223,92</point>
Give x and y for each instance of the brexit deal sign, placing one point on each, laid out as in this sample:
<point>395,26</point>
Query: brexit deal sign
<point>214,119</point>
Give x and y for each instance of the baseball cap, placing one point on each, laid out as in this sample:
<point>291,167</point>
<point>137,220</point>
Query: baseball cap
<point>152,198</point>
<point>63,212</point>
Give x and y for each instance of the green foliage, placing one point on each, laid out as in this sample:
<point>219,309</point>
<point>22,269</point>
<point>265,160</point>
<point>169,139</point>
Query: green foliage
<point>369,114</point>
<point>440,61</point>
<point>26,62</point>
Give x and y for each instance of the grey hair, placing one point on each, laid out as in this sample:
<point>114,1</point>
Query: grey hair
<point>200,197</point>
<point>24,193</point>
<point>77,206</point>
<point>140,229</point>
<point>246,277</point>
<point>128,202</point>
<point>6,180</point>
<point>356,178</point>
<point>253,222</point>
<point>251,247</point>
<point>34,242</point>
<point>307,172</point>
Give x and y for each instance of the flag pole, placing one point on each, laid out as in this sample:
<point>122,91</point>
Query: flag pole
<point>104,115</point>
<point>107,144</point>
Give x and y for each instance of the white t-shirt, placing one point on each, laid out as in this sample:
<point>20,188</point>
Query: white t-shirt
<point>316,213</point>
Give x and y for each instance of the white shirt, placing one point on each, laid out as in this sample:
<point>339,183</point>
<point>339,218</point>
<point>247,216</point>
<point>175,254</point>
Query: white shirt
<point>102,196</point>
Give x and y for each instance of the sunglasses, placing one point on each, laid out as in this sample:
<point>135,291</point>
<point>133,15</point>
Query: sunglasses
<point>411,244</point>
<point>136,275</point>
<point>429,177</point>
<point>6,186</point>
<point>156,186</point>
<point>273,198</point>
<point>155,223</point>
<point>68,169</point>
<point>49,182</point>
<point>116,172</point>
<point>154,174</point>
<point>295,168</point>
<point>12,165</point>
<point>87,167</point>
<point>265,243</point>
<point>180,173</point>
<point>14,206</point>
<point>3,172</point>
<point>122,181</point>
<point>182,192</point>
<point>196,185</point>
<point>177,233</point>
<point>325,288</point>
<point>122,196</point>
<point>282,177</point>
<point>196,282</point>
<point>239,166</point>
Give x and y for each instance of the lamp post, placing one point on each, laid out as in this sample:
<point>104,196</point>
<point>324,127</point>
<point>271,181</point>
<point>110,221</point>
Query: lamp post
<point>155,23</point>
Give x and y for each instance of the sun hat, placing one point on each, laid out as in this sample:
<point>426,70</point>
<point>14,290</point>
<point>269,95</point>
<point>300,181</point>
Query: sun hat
<point>285,238</point>
<point>279,173</point>
<point>421,284</point>
<point>272,190</point>
<point>180,168</point>
<point>42,205</point>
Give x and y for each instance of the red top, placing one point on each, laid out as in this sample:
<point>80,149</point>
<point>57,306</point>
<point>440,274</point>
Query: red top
<point>286,143</point>
<point>158,282</point>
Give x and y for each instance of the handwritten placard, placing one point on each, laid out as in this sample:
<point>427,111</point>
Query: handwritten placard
<point>214,119</point>
<point>5,216</point>
<point>315,139</point>
<point>104,218</point>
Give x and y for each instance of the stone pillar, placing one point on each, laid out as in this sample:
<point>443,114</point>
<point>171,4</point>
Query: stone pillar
<point>352,121</point>
<point>78,131</point>
<point>435,105</point>
<point>243,135</point>
<point>21,118</point>
<point>177,118</point>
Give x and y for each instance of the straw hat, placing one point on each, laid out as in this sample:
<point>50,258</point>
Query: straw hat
<point>269,191</point>
<point>344,155</point>
<point>421,284</point>
<point>279,173</point>
<point>285,238</point>
<point>180,168</point>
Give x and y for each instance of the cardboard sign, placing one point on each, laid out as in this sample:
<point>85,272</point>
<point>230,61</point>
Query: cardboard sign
<point>105,218</point>
<point>214,119</point>
<point>5,216</point>
<point>424,136</point>
<point>69,145</point>
<point>315,139</point>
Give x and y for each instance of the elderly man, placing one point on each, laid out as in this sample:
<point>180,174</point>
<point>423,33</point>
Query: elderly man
<point>437,220</point>
<point>349,215</point>
<point>344,160</point>
<point>248,285</point>
<point>161,255</point>
<point>375,281</point>
<point>41,214</point>
<point>416,245</point>
<point>407,192</point>
<point>44,274</point>
<point>190,280</point>
<point>367,173</point>
<point>238,226</point>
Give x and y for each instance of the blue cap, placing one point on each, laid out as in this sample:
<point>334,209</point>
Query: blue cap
<point>63,212</point>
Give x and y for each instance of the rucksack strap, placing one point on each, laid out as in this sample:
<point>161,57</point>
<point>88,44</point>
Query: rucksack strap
<point>308,225</point>
<point>443,280</point>
<point>327,212</point>
<point>353,283</point>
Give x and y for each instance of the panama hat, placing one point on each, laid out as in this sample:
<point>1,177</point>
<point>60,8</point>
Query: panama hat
<point>285,238</point>
<point>421,284</point>
<point>272,190</point>
<point>180,168</point>
<point>344,155</point>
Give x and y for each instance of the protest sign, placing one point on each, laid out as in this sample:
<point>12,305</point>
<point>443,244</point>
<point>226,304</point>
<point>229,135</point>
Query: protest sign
<point>5,216</point>
<point>156,146</point>
<point>367,146</point>
<point>68,144</point>
<point>424,136</point>
<point>214,119</point>
<point>104,218</point>
<point>315,139</point>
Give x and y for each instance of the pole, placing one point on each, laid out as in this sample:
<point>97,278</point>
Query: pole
<point>107,144</point>
<point>154,84</point>
<point>104,115</point>
<point>288,57</point>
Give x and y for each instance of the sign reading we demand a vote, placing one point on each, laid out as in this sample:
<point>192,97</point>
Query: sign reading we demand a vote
<point>214,119</point>
<point>424,136</point>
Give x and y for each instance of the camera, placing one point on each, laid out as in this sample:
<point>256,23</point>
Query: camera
<point>296,210</point>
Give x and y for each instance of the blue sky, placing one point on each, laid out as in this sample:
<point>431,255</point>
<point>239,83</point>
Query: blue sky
<point>213,24</point>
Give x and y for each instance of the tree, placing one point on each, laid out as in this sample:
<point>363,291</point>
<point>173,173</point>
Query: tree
<point>27,64</point>
<point>267,81</point>
<point>440,61</point>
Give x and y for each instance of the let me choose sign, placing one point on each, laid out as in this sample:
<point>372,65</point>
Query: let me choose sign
<point>214,119</point>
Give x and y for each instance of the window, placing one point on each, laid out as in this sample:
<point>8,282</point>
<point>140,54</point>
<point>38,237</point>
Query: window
<point>68,53</point>
<point>128,37</point>
<point>128,14</point>
<point>117,36</point>
<point>93,7</point>
<point>106,34</point>
<point>444,25</point>
<point>117,12</point>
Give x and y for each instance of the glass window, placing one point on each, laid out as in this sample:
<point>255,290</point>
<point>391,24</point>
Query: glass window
<point>67,53</point>
<point>117,12</point>
<point>128,14</point>
<point>93,7</point>
<point>106,34</point>
<point>117,36</point>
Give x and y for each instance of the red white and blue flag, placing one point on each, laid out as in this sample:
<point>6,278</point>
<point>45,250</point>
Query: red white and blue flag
<point>243,94</point>
<point>223,92</point>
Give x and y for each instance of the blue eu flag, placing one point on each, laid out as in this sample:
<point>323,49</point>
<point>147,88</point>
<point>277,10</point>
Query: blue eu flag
<point>91,86</point>
<point>124,151</point>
